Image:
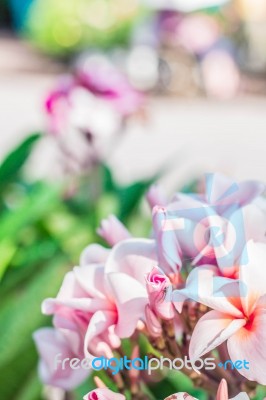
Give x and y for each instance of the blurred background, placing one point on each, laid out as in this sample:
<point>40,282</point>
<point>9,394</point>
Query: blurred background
<point>201,64</point>
<point>98,99</point>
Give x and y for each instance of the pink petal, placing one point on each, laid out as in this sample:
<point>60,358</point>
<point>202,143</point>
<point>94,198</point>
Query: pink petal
<point>249,344</point>
<point>255,222</point>
<point>211,330</point>
<point>159,290</point>
<point>224,191</point>
<point>93,254</point>
<point>156,196</point>
<point>98,324</point>
<point>134,257</point>
<point>130,298</point>
<point>253,276</point>
<point>222,392</point>
<point>90,278</point>
<point>113,231</point>
<point>50,343</point>
<point>168,247</point>
<point>205,286</point>
<point>51,306</point>
<point>153,325</point>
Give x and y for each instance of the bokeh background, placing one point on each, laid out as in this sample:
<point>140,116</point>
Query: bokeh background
<point>200,67</point>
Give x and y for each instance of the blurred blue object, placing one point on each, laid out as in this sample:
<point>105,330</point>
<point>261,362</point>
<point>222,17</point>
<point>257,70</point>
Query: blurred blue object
<point>19,10</point>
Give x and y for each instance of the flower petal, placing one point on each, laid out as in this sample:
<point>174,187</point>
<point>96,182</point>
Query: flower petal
<point>253,275</point>
<point>94,253</point>
<point>211,330</point>
<point>51,344</point>
<point>156,196</point>
<point>134,257</point>
<point>130,298</point>
<point>223,191</point>
<point>205,286</point>
<point>98,324</point>
<point>249,344</point>
<point>113,231</point>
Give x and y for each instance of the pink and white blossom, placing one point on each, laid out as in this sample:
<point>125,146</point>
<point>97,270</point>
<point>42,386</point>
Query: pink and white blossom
<point>50,343</point>
<point>238,313</point>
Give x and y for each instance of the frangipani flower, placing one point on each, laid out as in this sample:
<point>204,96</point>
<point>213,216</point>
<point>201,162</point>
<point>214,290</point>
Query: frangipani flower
<point>209,228</point>
<point>238,313</point>
<point>88,110</point>
<point>104,302</point>
<point>222,394</point>
<point>222,192</point>
<point>103,394</point>
<point>95,99</point>
<point>98,75</point>
<point>50,343</point>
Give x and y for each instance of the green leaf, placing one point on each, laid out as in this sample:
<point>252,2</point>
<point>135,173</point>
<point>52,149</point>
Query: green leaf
<point>130,196</point>
<point>260,392</point>
<point>7,251</point>
<point>108,183</point>
<point>14,161</point>
<point>15,372</point>
<point>21,315</point>
<point>35,206</point>
<point>190,187</point>
<point>25,264</point>
<point>32,388</point>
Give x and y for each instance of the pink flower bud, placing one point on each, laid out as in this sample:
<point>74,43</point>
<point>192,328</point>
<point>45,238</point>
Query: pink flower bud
<point>156,197</point>
<point>159,291</point>
<point>153,324</point>
<point>113,231</point>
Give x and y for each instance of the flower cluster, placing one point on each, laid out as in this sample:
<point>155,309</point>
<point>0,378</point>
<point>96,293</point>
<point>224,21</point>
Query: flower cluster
<point>195,289</point>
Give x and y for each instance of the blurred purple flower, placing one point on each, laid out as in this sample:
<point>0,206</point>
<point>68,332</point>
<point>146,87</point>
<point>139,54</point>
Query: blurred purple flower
<point>96,95</point>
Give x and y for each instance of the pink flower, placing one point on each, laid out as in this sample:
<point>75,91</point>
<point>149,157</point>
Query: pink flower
<point>94,100</point>
<point>52,343</point>
<point>188,228</point>
<point>104,303</point>
<point>113,231</point>
<point>221,192</point>
<point>238,313</point>
<point>103,394</point>
<point>159,290</point>
<point>156,197</point>
<point>222,394</point>
<point>98,75</point>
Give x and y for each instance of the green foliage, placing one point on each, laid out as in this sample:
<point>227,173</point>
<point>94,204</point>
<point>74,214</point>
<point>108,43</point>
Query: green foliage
<point>62,27</point>
<point>11,166</point>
